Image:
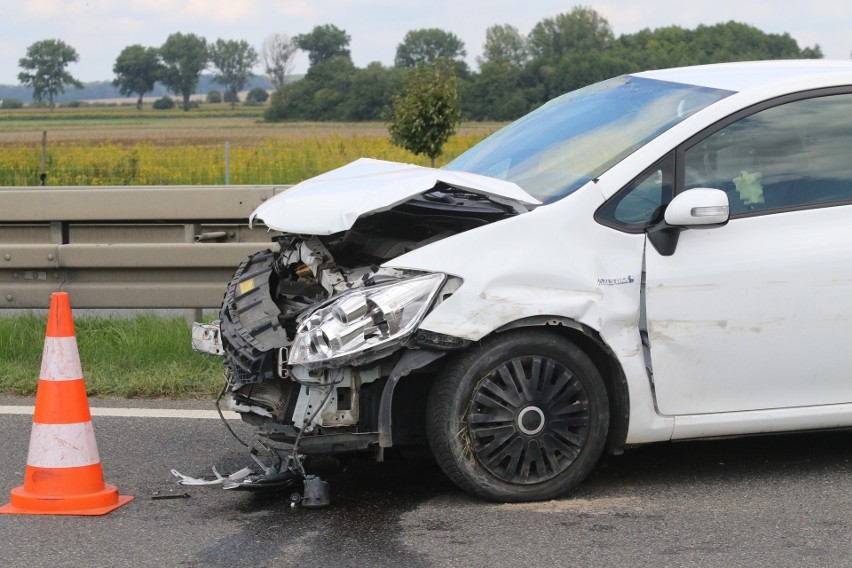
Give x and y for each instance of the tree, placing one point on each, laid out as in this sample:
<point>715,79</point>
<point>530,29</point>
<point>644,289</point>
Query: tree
<point>323,43</point>
<point>372,90</point>
<point>44,69</point>
<point>276,54</point>
<point>336,90</point>
<point>581,29</point>
<point>814,52</point>
<point>279,106</point>
<point>428,46</point>
<point>427,113</point>
<point>184,56</point>
<point>732,41</point>
<point>576,33</point>
<point>136,70</point>
<point>656,49</point>
<point>504,45</point>
<point>256,96</point>
<point>234,61</point>
<point>577,70</point>
<point>321,95</point>
<point>330,83</point>
<point>498,91</point>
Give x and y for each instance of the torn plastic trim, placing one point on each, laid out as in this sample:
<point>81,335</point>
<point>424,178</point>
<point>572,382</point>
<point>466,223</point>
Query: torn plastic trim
<point>207,338</point>
<point>218,480</point>
<point>411,360</point>
<point>319,444</point>
<point>315,491</point>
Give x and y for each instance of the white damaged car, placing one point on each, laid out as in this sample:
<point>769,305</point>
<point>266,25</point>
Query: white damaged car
<point>665,255</point>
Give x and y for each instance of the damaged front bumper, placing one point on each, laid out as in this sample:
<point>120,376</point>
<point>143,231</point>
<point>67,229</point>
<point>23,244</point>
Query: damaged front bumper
<point>315,492</point>
<point>314,352</point>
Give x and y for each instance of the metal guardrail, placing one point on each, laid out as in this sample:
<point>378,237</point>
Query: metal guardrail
<point>126,247</point>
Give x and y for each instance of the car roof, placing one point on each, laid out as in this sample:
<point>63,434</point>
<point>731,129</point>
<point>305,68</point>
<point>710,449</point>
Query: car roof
<point>743,76</point>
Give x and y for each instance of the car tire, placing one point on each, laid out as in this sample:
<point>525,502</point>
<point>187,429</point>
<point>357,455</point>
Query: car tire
<point>520,416</point>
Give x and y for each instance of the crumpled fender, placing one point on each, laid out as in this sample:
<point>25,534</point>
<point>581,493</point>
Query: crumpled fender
<point>548,262</point>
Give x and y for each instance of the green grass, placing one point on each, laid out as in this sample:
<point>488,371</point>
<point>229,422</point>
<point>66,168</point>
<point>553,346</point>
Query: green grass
<point>142,357</point>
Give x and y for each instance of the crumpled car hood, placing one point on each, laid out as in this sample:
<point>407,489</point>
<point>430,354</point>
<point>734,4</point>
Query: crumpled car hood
<point>332,202</point>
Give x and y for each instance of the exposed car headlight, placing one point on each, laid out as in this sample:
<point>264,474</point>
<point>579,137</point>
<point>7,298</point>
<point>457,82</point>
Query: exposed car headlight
<point>363,319</point>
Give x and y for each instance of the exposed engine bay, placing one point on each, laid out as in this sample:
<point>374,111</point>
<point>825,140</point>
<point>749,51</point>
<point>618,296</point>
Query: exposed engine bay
<point>316,334</point>
<point>272,292</point>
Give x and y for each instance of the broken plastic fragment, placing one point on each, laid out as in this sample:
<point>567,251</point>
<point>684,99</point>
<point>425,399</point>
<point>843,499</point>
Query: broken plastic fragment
<point>170,496</point>
<point>236,476</point>
<point>275,481</point>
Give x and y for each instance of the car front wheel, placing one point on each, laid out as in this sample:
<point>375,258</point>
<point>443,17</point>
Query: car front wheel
<point>522,416</point>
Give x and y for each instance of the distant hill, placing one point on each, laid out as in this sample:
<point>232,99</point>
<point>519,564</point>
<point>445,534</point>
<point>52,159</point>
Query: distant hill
<point>105,90</point>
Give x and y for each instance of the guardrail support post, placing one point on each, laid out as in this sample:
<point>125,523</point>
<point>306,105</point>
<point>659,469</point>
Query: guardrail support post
<point>227,163</point>
<point>43,169</point>
<point>194,314</point>
<point>58,233</point>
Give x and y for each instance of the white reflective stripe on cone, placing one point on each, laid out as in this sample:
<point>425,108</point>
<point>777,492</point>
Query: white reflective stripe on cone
<point>63,445</point>
<point>60,360</point>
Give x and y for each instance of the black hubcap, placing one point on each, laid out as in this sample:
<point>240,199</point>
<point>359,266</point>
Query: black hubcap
<point>528,420</point>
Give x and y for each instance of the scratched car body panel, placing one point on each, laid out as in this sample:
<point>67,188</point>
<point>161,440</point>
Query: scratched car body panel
<point>660,256</point>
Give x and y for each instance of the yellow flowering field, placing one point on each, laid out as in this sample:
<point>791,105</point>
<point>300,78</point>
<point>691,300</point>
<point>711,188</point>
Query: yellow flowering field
<point>146,149</point>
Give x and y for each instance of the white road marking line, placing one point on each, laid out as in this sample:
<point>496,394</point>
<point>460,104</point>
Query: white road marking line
<point>137,412</point>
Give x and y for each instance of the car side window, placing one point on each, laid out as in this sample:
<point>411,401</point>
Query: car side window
<point>793,155</point>
<point>642,202</point>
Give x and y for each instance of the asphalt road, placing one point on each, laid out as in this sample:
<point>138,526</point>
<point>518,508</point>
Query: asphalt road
<point>773,501</point>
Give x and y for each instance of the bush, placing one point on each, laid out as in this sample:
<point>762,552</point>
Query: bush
<point>164,103</point>
<point>11,103</point>
<point>257,95</point>
<point>214,97</point>
<point>231,97</point>
<point>278,106</point>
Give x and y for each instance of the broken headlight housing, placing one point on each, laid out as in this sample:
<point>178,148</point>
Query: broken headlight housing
<point>363,319</point>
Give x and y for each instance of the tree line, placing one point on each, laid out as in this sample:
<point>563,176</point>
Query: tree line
<point>177,65</point>
<point>516,72</point>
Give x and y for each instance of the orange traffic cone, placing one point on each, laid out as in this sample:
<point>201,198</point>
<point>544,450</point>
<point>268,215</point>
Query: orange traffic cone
<point>63,475</point>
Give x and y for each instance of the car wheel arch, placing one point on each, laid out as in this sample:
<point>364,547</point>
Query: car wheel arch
<point>586,338</point>
<point>591,343</point>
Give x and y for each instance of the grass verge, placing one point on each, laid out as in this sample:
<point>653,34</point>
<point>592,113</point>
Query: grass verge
<point>146,356</point>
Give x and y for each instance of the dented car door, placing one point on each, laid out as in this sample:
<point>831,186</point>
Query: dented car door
<point>753,315</point>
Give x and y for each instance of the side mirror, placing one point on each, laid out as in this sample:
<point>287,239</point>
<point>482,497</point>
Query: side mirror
<point>698,207</point>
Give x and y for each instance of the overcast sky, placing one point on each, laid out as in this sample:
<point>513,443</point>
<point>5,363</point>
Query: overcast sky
<point>100,29</point>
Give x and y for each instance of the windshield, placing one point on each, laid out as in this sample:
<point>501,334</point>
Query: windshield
<point>576,137</point>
